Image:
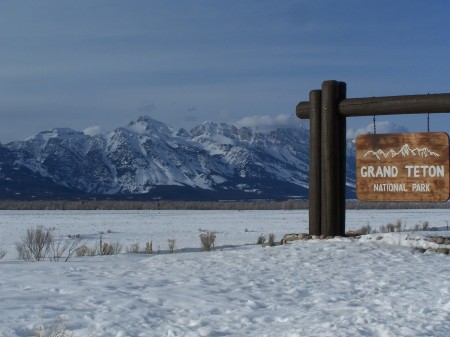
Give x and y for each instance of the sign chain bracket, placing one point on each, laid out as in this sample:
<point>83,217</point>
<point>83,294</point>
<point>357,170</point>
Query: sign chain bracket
<point>328,112</point>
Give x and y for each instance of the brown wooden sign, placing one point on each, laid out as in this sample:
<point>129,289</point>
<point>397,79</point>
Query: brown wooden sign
<point>403,167</point>
<point>327,109</point>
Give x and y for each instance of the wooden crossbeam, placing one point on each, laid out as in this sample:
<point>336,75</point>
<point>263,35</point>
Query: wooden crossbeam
<point>388,105</point>
<point>327,110</point>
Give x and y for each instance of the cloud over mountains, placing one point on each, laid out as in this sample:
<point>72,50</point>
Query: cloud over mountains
<point>381,127</point>
<point>268,122</point>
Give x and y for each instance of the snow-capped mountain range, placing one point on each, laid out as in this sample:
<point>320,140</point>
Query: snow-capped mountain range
<point>147,159</point>
<point>405,151</point>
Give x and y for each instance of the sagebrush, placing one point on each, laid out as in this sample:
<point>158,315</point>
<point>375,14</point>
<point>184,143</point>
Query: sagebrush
<point>171,243</point>
<point>271,240</point>
<point>39,244</point>
<point>112,248</point>
<point>35,245</point>
<point>207,240</point>
<point>261,239</point>
<point>135,248</point>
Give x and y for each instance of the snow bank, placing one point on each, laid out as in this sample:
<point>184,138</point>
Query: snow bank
<point>338,287</point>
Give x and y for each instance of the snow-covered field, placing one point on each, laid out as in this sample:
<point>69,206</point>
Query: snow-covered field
<point>338,287</point>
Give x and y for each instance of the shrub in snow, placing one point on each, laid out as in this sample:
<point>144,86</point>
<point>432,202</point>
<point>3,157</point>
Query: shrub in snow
<point>261,239</point>
<point>390,228</point>
<point>365,230</point>
<point>39,244</point>
<point>2,253</point>
<point>82,250</point>
<point>171,243</point>
<point>36,244</point>
<point>134,248</point>
<point>271,241</point>
<point>398,225</point>
<point>111,248</point>
<point>148,247</point>
<point>104,248</point>
<point>207,241</point>
<point>64,248</point>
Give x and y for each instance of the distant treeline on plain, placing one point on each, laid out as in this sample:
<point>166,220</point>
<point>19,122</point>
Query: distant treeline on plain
<point>291,204</point>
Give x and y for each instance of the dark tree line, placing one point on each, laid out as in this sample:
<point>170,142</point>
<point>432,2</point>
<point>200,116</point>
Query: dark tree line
<point>290,204</point>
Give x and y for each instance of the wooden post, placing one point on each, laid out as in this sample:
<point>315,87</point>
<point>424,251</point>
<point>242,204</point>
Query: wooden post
<point>340,225</point>
<point>315,98</point>
<point>331,167</point>
<point>328,144</point>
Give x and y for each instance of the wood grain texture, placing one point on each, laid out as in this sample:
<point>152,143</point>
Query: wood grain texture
<point>342,161</point>
<point>330,163</point>
<point>403,167</point>
<point>315,171</point>
<point>388,105</point>
<point>329,158</point>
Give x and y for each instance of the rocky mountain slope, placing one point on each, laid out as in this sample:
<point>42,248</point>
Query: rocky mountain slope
<point>149,160</point>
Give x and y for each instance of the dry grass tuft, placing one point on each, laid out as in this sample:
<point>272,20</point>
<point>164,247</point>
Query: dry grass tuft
<point>271,241</point>
<point>207,240</point>
<point>261,239</point>
<point>171,243</point>
<point>112,248</point>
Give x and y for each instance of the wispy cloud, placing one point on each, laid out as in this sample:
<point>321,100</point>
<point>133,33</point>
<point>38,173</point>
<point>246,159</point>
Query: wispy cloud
<point>267,122</point>
<point>93,130</point>
<point>381,127</point>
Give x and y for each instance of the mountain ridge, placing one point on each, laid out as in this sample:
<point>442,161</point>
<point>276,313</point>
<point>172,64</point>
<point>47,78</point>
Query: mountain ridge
<point>149,160</point>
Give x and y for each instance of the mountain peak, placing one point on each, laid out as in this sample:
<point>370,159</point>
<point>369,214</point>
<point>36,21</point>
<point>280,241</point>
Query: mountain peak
<point>212,128</point>
<point>147,159</point>
<point>56,132</point>
<point>148,125</point>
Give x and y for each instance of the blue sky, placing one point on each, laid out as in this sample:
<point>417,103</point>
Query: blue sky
<point>89,63</point>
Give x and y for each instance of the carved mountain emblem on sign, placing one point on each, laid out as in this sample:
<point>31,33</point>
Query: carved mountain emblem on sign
<point>405,151</point>
<point>410,167</point>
